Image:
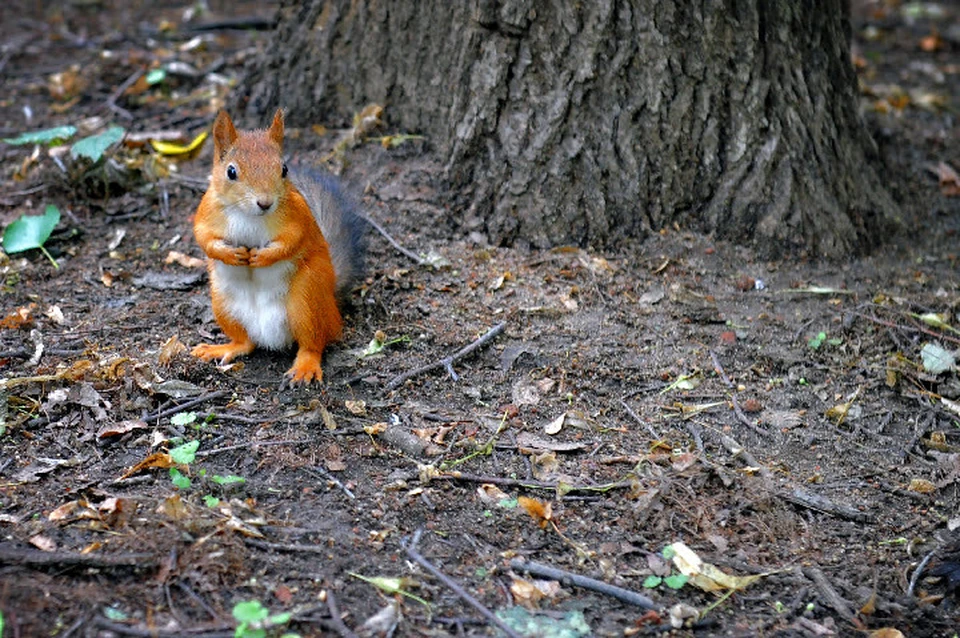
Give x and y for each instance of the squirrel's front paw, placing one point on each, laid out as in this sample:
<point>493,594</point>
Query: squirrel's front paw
<point>236,256</point>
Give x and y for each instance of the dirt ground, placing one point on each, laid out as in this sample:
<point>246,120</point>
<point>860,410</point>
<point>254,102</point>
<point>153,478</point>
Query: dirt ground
<point>776,418</point>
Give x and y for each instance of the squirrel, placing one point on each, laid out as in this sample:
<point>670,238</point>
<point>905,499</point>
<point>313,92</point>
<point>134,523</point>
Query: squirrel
<point>282,245</point>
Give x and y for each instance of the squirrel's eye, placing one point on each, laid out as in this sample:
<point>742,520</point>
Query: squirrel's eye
<point>283,172</point>
<point>232,173</point>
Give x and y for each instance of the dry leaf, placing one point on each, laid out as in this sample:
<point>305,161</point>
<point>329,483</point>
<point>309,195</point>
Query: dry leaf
<point>21,318</point>
<point>159,460</point>
<point>921,486</point>
<point>491,494</point>
<point>704,575</point>
<point>556,425</point>
<point>173,507</point>
<point>170,349</point>
<point>358,408</point>
<point>44,543</point>
<point>540,511</point>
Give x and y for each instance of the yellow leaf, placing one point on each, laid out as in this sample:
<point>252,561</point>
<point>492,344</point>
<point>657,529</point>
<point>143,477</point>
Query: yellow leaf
<point>187,151</point>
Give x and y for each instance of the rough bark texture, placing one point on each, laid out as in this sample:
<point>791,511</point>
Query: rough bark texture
<point>596,122</point>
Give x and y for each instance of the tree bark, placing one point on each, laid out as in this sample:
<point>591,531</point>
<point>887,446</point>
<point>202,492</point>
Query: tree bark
<point>595,123</point>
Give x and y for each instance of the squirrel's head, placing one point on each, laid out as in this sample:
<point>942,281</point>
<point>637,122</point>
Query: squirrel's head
<point>249,175</point>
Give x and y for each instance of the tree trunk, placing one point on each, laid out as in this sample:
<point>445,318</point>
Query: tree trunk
<point>598,122</point>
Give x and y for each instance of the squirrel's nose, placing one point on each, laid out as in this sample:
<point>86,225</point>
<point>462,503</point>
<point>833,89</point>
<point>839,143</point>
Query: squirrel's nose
<point>264,204</point>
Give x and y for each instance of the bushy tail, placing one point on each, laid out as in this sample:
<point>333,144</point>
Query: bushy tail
<point>336,215</point>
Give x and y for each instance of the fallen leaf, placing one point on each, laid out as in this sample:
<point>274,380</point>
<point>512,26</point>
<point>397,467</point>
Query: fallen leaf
<point>540,511</point>
<point>704,575</point>
<point>170,349</point>
<point>44,543</point>
<point>159,460</point>
<point>554,427</point>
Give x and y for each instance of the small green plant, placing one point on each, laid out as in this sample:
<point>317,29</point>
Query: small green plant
<point>253,620</point>
<point>817,341</point>
<point>673,581</point>
<point>51,136</point>
<point>32,231</point>
<point>95,146</point>
<point>183,418</point>
<point>183,455</point>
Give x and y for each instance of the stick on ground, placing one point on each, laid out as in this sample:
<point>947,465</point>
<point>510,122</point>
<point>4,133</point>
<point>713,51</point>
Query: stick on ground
<point>621,594</point>
<point>410,547</point>
<point>448,362</point>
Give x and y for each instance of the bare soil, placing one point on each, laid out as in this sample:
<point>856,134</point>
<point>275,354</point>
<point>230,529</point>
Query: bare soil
<point>676,390</point>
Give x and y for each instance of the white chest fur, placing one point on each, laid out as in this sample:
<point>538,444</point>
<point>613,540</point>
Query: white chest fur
<point>255,297</point>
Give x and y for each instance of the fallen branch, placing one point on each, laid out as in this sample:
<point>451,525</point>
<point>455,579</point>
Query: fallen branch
<point>448,362</point>
<point>112,100</point>
<point>254,445</point>
<point>529,484</point>
<point>636,417</point>
<point>36,558</point>
<point>830,595</point>
<point>336,622</point>
<point>293,548</point>
<point>393,242</point>
<point>185,406</point>
<point>585,582</point>
<point>410,547</point>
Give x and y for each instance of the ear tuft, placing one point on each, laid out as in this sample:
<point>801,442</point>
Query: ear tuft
<point>224,134</point>
<point>276,129</point>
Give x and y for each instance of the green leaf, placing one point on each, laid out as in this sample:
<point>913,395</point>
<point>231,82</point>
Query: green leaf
<point>669,552</point>
<point>180,480</point>
<point>280,619</point>
<point>652,581</point>
<point>936,359</point>
<point>156,76</point>
<point>183,418</point>
<point>30,231</point>
<point>94,147</point>
<point>817,341</point>
<point>676,581</point>
<point>186,453</point>
<point>227,480</point>
<point>47,136</point>
<point>250,611</point>
<point>112,613</point>
<point>210,500</point>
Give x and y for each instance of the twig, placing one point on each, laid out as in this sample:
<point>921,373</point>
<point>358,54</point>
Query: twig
<point>743,417</point>
<point>327,476</point>
<point>184,406</point>
<point>650,428</point>
<point>448,362</point>
<point>830,595</point>
<point>393,242</point>
<point>919,572</point>
<point>621,594</point>
<point>336,622</point>
<point>803,498</point>
<point>293,548</point>
<point>219,631</point>
<point>254,445</point>
<point>530,484</point>
<point>719,369</point>
<point>37,558</point>
<point>112,100</point>
<point>410,547</point>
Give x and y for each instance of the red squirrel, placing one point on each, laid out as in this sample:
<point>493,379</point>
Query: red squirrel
<point>280,244</point>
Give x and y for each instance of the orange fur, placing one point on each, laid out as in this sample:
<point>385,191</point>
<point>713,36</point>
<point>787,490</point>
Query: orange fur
<point>258,224</point>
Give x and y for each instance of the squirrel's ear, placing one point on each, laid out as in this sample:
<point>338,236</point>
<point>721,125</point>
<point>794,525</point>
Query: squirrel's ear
<point>224,134</point>
<point>276,129</point>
